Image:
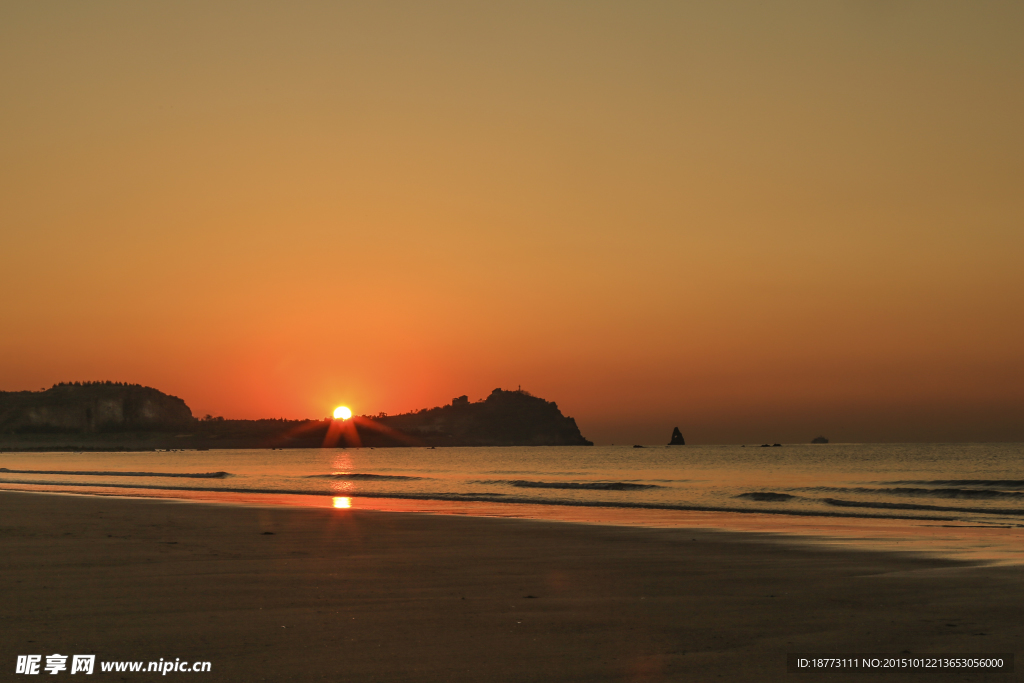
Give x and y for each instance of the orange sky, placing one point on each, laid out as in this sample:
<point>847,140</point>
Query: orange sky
<point>756,221</point>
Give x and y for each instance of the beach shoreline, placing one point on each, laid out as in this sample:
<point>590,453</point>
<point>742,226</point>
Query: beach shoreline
<point>291,593</point>
<point>978,544</point>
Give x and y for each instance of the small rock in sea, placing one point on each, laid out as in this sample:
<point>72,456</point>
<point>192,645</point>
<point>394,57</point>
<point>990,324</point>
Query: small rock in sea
<point>636,445</point>
<point>819,439</point>
<point>677,438</point>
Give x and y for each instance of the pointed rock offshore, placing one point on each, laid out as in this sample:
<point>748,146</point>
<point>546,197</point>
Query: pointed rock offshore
<point>677,438</point>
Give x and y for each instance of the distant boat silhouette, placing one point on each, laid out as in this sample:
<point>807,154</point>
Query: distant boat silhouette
<point>637,446</point>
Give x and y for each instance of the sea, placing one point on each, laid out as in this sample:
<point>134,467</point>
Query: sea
<point>946,498</point>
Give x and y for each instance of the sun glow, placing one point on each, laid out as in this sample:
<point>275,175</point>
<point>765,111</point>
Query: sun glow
<point>342,413</point>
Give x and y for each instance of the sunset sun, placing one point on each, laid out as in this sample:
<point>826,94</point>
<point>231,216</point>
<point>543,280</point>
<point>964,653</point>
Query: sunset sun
<point>342,413</point>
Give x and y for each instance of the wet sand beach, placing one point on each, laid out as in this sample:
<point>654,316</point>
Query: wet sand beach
<point>294,594</point>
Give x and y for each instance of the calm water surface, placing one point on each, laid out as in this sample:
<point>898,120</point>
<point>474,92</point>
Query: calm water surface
<point>977,484</point>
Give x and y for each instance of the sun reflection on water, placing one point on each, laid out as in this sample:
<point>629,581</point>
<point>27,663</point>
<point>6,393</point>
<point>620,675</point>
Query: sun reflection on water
<point>342,502</point>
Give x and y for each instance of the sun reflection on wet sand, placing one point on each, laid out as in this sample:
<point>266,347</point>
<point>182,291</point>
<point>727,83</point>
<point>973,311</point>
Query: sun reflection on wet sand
<point>342,502</point>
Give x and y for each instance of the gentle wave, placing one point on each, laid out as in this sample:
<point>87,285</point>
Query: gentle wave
<point>187,475</point>
<point>364,477</point>
<point>489,498</point>
<point>571,485</point>
<point>1002,483</point>
<point>913,506</point>
<point>553,473</point>
<point>767,496</point>
<point>930,493</point>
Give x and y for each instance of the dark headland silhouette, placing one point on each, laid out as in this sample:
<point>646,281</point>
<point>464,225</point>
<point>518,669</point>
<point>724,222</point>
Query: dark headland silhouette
<point>113,416</point>
<point>677,438</point>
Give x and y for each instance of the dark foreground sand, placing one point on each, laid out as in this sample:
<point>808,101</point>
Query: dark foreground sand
<point>345,595</point>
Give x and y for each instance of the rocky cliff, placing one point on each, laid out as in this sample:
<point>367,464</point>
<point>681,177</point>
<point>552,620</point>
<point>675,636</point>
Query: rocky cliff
<point>91,407</point>
<point>107,416</point>
<point>505,418</point>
